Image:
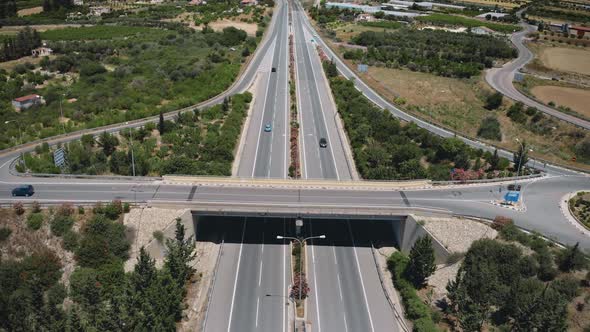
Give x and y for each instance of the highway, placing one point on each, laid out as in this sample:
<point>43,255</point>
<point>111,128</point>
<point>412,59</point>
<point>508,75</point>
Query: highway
<point>398,113</point>
<point>501,79</point>
<point>346,294</point>
<point>316,111</point>
<point>254,263</point>
<point>265,154</point>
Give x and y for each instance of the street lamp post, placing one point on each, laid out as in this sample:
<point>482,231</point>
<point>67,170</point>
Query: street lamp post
<point>301,242</point>
<point>131,147</point>
<point>20,134</point>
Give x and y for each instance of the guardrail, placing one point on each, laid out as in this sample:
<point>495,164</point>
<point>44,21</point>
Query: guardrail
<point>511,178</point>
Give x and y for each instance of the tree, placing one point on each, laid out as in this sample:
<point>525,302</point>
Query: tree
<point>144,272</point>
<point>571,259</point>
<point>520,157</point>
<point>330,69</point>
<point>421,265</point>
<point>180,254</point>
<point>494,101</point>
<point>108,143</point>
<point>494,160</point>
<point>161,124</point>
<point>225,105</point>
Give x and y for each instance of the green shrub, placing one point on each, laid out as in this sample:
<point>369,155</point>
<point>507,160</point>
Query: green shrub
<point>159,236</point>
<point>81,210</point>
<point>490,129</point>
<point>126,207</point>
<point>61,224</point>
<point>494,101</point>
<point>5,233</point>
<point>35,221</point>
<point>415,309</point>
<point>70,240</point>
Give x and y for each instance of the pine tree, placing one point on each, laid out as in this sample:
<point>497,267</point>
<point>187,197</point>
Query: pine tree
<point>180,254</point>
<point>571,258</point>
<point>421,265</point>
<point>520,157</point>
<point>144,272</point>
<point>225,105</point>
<point>495,160</point>
<point>161,124</point>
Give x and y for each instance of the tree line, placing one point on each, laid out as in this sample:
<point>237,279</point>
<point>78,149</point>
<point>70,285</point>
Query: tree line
<point>7,9</point>
<point>21,45</point>
<point>384,149</point>
<point>439,52</point>
<point>101,295</point>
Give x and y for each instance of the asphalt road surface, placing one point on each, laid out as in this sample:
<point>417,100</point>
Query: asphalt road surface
<point>316,111</point>
<point>250,291</point>
<point>265,154</point>
<point>336,264</point>
<point>254,264</point>
<point>501,79</point>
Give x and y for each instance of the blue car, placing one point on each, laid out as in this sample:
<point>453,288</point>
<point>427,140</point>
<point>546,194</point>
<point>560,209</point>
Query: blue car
<point>24,190</point>
<point>268,128</point>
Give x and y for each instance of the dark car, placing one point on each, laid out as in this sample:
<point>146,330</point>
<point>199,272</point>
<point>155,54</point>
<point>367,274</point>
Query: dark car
<point>24,190</point>
<point>514,187</point>
<point>273,69</point>
<point>323,143</point>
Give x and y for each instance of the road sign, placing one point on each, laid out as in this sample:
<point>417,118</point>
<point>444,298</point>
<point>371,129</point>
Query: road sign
<point>59,157</point>
<point>512,196</point>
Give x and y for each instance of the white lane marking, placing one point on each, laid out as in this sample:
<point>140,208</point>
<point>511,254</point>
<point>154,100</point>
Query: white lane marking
<point>263,108</point>
<point>323,115</point>
<point>345,323</point>
<point>334,252</point>
<point>287,108</point>
<point>233,298</point>
<point>315,282</point>
<point>302,163</point>
<point>284,280</point>
<point>340,287</point>
<point>358,266</point>
<point>8,161</point>
<point>261,261</point>
<point>257,306</point>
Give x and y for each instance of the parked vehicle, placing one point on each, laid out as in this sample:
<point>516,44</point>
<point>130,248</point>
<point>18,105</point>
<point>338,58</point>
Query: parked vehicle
<point>24,190</point>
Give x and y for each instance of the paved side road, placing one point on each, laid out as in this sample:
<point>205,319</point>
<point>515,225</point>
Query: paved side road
<point>501,79</point>
<point>383,103</point>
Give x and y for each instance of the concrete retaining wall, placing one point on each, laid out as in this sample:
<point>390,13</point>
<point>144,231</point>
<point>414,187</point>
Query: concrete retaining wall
<point>409,231</point>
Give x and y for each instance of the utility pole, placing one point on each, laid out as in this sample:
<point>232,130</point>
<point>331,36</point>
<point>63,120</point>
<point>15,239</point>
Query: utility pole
<point>131,147</point>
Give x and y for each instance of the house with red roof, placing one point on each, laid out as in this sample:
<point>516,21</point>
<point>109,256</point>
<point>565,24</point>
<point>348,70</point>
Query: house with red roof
<point>580,31</point>
<point>22,103</point>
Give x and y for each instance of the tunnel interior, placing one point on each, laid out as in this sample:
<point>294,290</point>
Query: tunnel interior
<point>356,231</point>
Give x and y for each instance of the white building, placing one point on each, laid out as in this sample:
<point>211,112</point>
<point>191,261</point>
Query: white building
<point>98,11</point>
<point>41,51</point>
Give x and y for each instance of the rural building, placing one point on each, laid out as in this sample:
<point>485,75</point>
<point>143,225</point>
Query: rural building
<point>369,9</point>
<point>364,17</point>
<point>98,11</point>
<point>248,2</point>
<point>41,51</point>
<point>156,1</point>
<point>580,31</point>
<point>22,103</point>
<point>78,2</point>
<point>492,15</point>
<point>561,28</point>
<point>197,2</point>
<point>423,4</point>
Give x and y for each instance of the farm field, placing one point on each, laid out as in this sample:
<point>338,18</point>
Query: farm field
<point>567,59</point>
<point>504,4</point>
<point>219,25</point>
<point>576,99</point>
<point>458,104</point>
